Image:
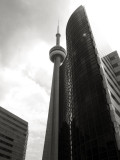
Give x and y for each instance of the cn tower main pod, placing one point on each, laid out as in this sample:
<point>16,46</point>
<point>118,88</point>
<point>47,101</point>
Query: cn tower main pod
<point>57,55</point>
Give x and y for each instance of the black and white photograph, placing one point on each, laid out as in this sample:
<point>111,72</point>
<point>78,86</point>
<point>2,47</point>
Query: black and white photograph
<point>59,79</point>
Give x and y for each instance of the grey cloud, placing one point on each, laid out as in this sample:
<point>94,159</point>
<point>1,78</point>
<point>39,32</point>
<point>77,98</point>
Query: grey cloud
<point>13,18</point>
<point>5,85</point>
<point>33,17</point>
<point>4,88</point>
<point>12,15</point>
<point>39,15</point>
<point>42,78</point>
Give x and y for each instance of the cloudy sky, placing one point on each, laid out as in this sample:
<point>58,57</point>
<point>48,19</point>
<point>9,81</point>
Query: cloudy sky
<point>27,32</point>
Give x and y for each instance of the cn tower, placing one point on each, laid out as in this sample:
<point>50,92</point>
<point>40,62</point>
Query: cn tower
<point>57,55</point>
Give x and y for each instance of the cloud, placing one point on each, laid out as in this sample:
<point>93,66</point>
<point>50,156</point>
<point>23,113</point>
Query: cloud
<point>13,15</point>
<point>22,22</point>
<point>40,16</point>
<point>25,91</point>
<point>28,100</point>
<point>25,71</point>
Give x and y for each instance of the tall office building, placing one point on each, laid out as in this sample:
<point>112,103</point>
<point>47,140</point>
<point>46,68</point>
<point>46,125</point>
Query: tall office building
<point>88,98</point>
<point>13,136</point>
<point>114,60</point>
<point>88,125</point>
<point>111,65</point>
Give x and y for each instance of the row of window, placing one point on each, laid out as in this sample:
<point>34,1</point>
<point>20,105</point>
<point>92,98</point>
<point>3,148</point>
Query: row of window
<point>6,137</point>
<point>111,77</point>
<point>13,118</point>
<point>8,144</point>
<point>118,113</point>
<point>110,70</point>
<point>5,156</point>
<point>112,58</point>
<point>113,88</point>
<point>7,120</point>
<point>117,73</point>
<point>10,132</point>
<point>5,149</point>
<point>108,62</point>
<point>115,65</point>
<point>12,128</point>
<point>115,99</point>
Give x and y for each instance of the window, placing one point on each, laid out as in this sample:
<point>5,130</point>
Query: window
<point>5,156</point>
<point>6,137</point>
<point>115,65</point>
<point>117,73</point>
<point>113,88</point>
<point>117,112</point>
<point>5,149</point>
<point>112,58</point>
<point>8,144</point>
<point>115,99</point>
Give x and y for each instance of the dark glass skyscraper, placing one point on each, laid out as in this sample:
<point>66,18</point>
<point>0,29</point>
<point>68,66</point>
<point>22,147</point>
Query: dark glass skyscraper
<point>86,126</point>
<point>88,129</point>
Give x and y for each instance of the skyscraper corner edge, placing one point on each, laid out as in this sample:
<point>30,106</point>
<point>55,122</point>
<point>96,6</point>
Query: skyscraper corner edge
<point>72,15</point>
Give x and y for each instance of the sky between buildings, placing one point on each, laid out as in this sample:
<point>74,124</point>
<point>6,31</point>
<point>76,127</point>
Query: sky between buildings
<point>27,32</point>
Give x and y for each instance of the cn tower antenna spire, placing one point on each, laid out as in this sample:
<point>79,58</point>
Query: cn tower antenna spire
<point>58,36</point>
<point>58,27</point>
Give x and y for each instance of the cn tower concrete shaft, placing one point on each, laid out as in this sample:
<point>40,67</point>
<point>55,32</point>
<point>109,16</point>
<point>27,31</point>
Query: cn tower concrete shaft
<point>52,132</point>
<point>51,140</point>
<point>57,55</point>
<point>55,89</point>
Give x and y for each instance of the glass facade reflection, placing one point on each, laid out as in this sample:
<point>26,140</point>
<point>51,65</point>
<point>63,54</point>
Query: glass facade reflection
<point>86,131</point>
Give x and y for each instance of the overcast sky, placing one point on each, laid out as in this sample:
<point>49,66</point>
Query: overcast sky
<point>27,32</point>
